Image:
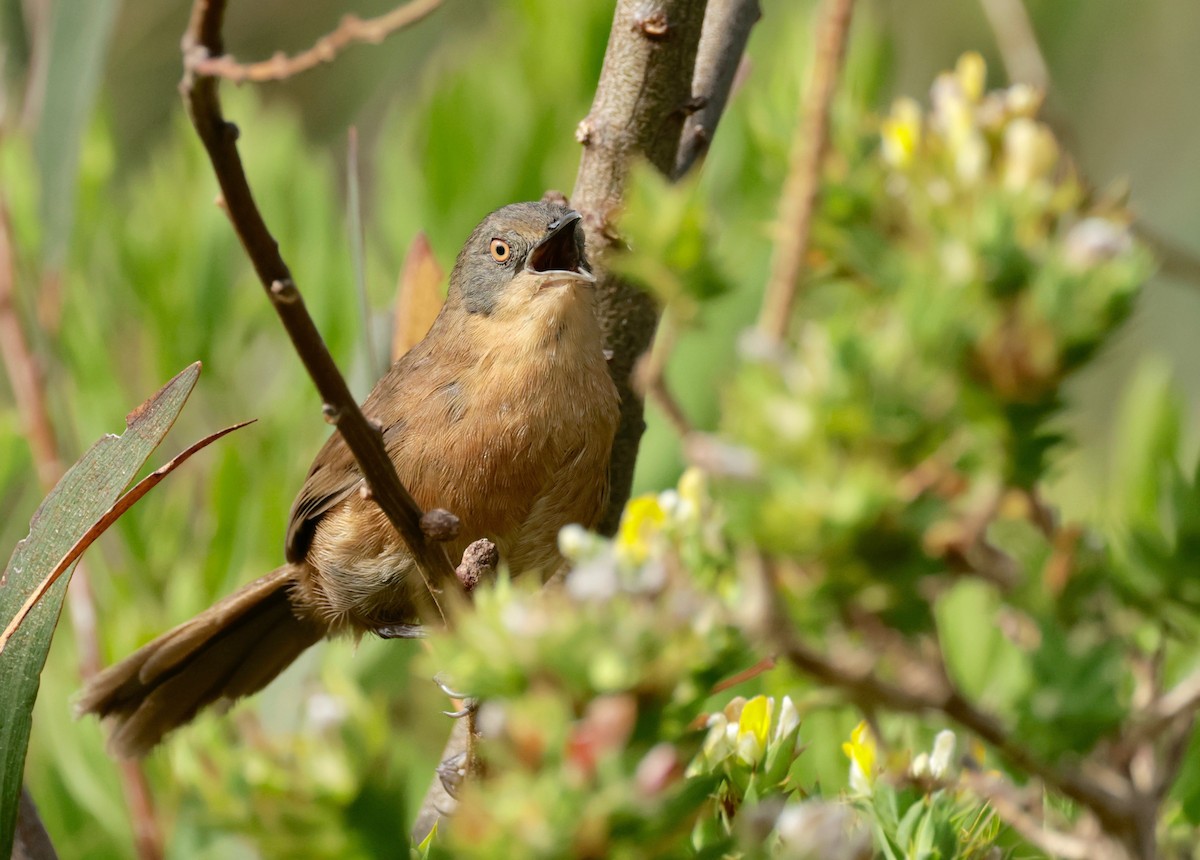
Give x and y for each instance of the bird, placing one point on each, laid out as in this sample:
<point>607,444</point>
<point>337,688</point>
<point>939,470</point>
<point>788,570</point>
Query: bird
<point>504,414</point>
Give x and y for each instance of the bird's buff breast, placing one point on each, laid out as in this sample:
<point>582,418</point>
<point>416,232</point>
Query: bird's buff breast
<point>517,449</point>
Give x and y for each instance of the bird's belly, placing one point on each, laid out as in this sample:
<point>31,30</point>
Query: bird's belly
<point>358,573</point>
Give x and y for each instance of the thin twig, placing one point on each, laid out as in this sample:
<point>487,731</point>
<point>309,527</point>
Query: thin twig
<point>727,26</point>
<point>364,438</point>
<point>1179,702</point>
<point>26,382</point>
<point>809,141</point>
<point>351,30</point>
<point>38,22</point>
<point>650,376</point>
<point>358,255</point>
<point>22,369</point>
<point>1174,260</point>
<point>1017,41</point>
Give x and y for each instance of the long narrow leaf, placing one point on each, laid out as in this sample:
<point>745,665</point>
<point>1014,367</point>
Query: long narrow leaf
<point>82,496</point>
<point>99,527</point>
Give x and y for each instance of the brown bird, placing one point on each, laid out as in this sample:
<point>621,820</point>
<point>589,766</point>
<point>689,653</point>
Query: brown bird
<point>504,414</point>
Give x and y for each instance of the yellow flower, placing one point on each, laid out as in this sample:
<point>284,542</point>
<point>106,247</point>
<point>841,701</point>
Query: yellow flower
<point>1030,153</point>
<point>902,133</point>
<point>692,492</point>
<point>753,727</point>
<point>641,523</point>
<point>971,73</point>
<point>860,749</point>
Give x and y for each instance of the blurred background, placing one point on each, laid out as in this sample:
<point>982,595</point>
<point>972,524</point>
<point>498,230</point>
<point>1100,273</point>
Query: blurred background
<point>125,273</point>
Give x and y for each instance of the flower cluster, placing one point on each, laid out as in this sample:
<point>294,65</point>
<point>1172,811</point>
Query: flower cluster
<point>961,273</point>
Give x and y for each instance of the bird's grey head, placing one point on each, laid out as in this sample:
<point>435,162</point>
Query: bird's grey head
<point>522,240</point>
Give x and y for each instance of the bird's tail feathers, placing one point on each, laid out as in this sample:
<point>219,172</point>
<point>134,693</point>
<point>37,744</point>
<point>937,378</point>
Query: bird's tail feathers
<point>232,649</point>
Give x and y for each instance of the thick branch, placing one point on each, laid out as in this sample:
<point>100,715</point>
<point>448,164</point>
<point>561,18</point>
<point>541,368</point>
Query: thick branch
<point>642,98</point>
<point>727,26</point>
<point>809,141</point>
<point>351,30</point>
<point>364,438</point>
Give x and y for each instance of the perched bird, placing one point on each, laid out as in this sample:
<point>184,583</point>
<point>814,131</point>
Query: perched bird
<point>504,414</point>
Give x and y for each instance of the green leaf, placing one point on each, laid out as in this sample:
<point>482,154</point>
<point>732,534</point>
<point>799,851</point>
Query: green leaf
<point>980,658</point>
<point>79,499</point>
<point>79,37</point>
<point>1146,456</point>
<point>1186,789</point>
<point>669,233</point>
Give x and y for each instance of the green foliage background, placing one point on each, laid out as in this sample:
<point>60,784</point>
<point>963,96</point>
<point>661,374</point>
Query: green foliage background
<point>133,274</point>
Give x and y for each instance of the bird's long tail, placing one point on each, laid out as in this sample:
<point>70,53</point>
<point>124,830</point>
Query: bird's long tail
<point>230,650</point>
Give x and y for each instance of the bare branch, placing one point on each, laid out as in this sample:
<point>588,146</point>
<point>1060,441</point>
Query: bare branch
<point>642,99</point>
<point>351,30</point>
<point>1175,260</point>
<point>809,141</point>
<point>1019,50</point>
<point>1179,702</point>
<point>22,369</point>
<point>364,439</point>
<point>479,560</point>
<point>727,26</point>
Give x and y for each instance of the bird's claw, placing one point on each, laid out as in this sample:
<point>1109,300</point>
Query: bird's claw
<point>448,690</point>
<point>469,707</point>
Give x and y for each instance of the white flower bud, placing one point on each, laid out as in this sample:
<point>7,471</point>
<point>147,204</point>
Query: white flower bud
<point>943,753</point>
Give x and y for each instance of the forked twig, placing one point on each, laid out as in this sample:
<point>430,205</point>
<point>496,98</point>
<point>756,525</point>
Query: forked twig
<point>351,30</point>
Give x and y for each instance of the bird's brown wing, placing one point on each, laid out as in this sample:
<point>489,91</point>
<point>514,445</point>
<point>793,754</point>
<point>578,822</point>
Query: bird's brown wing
<point>334,475</point>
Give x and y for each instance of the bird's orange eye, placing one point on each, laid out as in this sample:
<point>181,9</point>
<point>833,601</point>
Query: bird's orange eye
<point>500,251</point>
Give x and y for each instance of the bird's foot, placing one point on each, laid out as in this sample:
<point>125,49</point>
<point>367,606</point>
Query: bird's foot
<point>452,772</point>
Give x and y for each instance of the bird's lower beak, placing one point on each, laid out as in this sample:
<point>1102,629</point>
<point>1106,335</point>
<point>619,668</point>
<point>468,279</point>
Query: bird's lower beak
<point>559,255</point>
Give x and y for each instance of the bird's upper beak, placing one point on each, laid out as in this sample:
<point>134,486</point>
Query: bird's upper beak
<point>558,254</point>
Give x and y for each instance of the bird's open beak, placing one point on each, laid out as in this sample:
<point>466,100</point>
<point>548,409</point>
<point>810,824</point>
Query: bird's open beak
<point>558,256</point>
